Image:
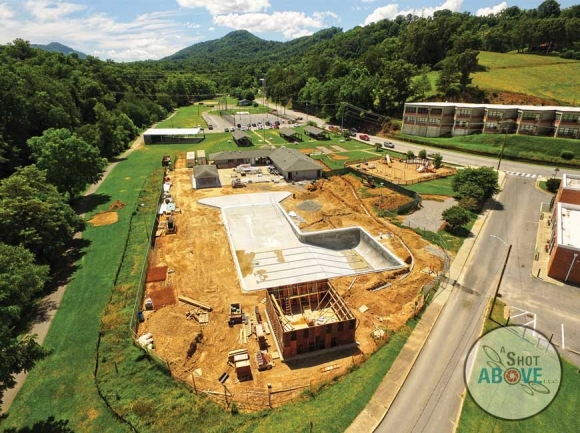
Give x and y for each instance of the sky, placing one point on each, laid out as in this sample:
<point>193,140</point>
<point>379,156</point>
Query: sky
<point>130,30</point>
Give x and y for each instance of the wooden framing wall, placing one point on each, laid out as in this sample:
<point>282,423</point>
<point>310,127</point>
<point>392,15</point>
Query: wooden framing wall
<point>317,295</point>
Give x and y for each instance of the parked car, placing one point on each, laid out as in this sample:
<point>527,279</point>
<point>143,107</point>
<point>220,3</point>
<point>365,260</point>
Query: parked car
<point>210,127</point>
<point>267,123</point>
<point>226,129</point>
<point>253,124</point>
<point>432,154</point>
<point>388,144</point>
<point>364,137</point>
<point>239,126</point>
<point>296,125</point>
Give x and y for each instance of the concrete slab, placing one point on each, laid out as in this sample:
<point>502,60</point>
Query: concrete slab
<point>270,250</point>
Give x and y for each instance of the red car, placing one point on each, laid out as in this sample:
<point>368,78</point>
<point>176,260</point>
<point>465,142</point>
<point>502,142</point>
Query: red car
<point>364,137</point>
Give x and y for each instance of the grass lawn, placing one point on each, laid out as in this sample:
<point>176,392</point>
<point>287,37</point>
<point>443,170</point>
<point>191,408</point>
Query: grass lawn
<point>98,303</point>
<point>537,149</point>
<point>441,186</point>
<point>186,117</point>
<point>530,74</point>
<point>558,417</point>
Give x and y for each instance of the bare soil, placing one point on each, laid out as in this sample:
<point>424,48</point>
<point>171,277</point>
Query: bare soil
<point>398,171</point>
<point>104,219</point>
<point>202,265</point>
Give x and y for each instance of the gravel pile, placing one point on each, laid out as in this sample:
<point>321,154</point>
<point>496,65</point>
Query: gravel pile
<point>309,206</point>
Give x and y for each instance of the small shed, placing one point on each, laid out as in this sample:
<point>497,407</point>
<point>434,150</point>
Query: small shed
<point>205,176</point>
<point>190,159</point>
<point>319,134</point>
<point>289,134</point>
<point>241,138</point>
<point>201,159</point>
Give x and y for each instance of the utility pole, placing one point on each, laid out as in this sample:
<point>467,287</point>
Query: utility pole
<point>342,117</point>
<point>507,256</point>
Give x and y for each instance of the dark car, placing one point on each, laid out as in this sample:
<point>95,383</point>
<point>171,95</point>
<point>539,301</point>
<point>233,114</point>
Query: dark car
<point>388,144</point>
<point>364,137</point>
<point>210,127</point>
<point>239,126</point>
<point>253,124</point>
<point>432,154</point>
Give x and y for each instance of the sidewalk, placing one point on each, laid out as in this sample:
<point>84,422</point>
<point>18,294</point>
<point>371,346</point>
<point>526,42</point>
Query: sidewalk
<point>377,408</point>
<point>541,256</point>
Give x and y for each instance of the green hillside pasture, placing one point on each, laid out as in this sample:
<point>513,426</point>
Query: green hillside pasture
<point>186,117</point>
<point>538,149</point>
<point>545,77</point>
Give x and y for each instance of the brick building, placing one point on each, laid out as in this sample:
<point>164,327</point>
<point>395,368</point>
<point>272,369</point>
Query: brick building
<point>564,244</point>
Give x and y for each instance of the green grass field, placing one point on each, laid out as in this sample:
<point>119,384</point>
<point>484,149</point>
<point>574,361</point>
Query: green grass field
<point>537,149</point>
<point>441,186</point>
<point>542,76</point>
<point>558,417</point>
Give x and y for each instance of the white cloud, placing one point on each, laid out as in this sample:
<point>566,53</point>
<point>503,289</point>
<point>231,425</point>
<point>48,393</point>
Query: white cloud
<point>491,10</point>
<point>291,24</point>
<point>392,11</point>
<point>368,1</point>
<point>147,36</point>
<point>5,12</point>
<point>217,7</point>
<point>45,10</point>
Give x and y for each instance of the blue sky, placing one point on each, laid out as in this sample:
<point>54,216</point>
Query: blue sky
<point>125,30</point>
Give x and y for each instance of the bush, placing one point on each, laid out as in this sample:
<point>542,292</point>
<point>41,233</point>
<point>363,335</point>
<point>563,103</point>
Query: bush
<point>553,184</point>
<point>470,203</point>
<point>567,155</point>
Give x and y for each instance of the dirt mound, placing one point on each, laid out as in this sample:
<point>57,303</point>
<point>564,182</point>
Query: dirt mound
<point>117,204</point>
<point>309,206</point>
<point>104,219</point>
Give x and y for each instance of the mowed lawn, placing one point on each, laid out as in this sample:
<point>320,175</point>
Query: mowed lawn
<point>441,186</point>
<point>63,385</point>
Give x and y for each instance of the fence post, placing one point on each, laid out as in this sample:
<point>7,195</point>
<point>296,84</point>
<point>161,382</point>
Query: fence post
<point>193,380</point>
<point>270,395</point>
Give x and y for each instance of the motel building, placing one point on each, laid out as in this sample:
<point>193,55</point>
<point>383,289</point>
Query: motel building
<point>438,119</point>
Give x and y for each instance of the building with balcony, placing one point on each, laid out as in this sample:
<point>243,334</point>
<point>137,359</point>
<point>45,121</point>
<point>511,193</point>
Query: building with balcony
<point>436,119</point>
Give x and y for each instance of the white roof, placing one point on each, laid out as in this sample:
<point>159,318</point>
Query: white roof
<point>571,181</point>
<point>569,233</point>
<point>172,131</point>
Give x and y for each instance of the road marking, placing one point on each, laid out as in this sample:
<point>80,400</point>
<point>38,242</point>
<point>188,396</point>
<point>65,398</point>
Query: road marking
<point>520,174</point>
<point>563,344</point>
<point>531,323</point>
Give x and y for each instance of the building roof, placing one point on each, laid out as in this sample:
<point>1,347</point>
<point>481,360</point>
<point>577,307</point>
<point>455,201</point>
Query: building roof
<point>172,131</point>
<point>493,106</point>
<point>238,154</point>
<point>314,130</point>
<point>239,135</point>
<point>288,132</point>
<point>571,181</point>
<point>205,171</point>
<point>292,160</point>
<point>569,230</point>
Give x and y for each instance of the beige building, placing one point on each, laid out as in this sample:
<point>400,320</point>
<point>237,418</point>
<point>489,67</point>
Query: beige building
<point>437,119</point>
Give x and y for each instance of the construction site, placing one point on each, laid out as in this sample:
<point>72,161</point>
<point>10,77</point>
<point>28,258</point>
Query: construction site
<point>254,294</point>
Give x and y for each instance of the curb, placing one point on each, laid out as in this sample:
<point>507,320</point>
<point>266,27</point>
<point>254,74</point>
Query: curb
<point>359,422</point>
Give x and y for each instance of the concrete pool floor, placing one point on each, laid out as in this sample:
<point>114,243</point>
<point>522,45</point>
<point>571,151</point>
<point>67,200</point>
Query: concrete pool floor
<point>269,250</point>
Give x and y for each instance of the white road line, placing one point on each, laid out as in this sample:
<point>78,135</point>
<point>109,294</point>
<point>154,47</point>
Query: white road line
<point>563,344</point>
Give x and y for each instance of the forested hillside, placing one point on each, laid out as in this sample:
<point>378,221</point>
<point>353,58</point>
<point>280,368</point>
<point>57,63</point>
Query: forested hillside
<point>62,117</point>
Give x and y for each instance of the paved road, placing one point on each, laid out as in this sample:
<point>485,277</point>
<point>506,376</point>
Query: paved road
<point>430,400</point>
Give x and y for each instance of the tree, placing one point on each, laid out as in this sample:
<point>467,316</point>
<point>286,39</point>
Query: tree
<point>456,216</point>
<point>437,160</point>
<point>410,154</point>
<point>70,162</point>
<point>549,9</point>
<point>423,154</point>
<point>553,184</point>
<point>479,183</point>
<point>21,280</point>
<point>33,214</point>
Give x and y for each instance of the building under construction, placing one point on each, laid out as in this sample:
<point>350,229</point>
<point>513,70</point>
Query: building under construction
<point>309,316</point>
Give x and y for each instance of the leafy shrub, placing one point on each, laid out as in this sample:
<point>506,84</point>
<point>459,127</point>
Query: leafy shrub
<point>567,155</point>
<point>553,184</point>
